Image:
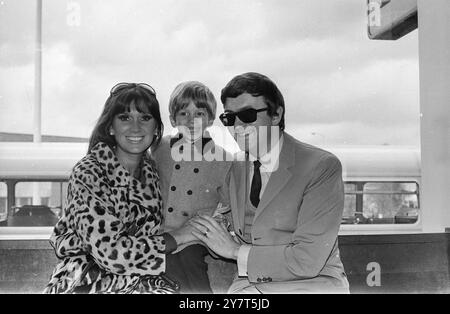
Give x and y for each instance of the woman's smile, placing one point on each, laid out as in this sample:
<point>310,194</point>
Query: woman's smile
<point>135,139</point>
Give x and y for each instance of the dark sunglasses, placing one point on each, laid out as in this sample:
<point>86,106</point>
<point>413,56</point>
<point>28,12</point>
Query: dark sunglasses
<point>124,86</point>
<point>247,116</point>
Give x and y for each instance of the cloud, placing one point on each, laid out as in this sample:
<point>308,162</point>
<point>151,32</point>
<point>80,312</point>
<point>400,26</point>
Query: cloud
<point>16,104</point>
<point>381,94</point>
<point>316,51</point>
<point>354,133</point>
<point>17,32</point>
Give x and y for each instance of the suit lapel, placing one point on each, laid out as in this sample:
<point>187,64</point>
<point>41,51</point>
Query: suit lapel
<point>279,178</point>
<point>240,179</point>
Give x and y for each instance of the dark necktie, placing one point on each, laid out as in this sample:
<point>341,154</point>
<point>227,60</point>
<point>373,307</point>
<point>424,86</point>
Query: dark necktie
<point>256,184</point>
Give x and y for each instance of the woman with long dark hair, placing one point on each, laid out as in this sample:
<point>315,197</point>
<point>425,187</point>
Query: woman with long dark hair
<point>108,236</point>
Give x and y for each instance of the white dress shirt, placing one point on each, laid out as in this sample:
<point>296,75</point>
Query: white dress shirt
<point>269,163</point>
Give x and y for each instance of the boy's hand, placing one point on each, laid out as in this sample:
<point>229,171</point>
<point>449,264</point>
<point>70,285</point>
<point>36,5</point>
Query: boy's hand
<point>183,234</point>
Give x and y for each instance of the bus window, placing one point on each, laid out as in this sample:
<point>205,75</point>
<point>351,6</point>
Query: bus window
<point>391,202</point>
<point>381,203</point>
<point>3,199</point>
<point>349,203</point>
<point>64,195</point>
<point>37,203</point>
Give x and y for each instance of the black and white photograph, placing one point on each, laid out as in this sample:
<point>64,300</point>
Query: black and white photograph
<point>226,148</point>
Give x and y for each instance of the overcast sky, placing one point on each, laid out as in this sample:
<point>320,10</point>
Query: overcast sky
<point>340,87</point>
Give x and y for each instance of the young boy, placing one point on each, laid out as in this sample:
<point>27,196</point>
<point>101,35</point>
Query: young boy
<point>190,182</point>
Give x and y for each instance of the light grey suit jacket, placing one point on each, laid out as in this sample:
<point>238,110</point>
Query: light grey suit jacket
<point>295,228</point>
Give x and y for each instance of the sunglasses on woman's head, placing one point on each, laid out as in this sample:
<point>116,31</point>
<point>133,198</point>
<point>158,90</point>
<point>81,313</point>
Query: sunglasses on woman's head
<point>124,86</point>
<point>247,116</point>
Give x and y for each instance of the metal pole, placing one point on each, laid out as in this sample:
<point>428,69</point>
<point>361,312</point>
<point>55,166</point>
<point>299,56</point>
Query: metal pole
<point>37,137</point>
<point>434,67</point>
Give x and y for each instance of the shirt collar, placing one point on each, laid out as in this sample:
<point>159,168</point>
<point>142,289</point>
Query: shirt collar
<point>179,140</point>
<point>270,160</point>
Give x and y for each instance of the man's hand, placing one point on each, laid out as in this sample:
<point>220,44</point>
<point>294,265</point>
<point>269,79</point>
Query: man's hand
<point>215,236</point>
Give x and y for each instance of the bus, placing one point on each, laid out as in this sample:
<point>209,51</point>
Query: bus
<point>382,196</point>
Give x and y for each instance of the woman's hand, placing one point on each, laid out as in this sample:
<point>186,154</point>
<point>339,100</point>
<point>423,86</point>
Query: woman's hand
<point>215,236</point>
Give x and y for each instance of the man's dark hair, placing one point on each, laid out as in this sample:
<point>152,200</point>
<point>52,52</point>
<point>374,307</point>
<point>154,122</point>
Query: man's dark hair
<point>256,85</point>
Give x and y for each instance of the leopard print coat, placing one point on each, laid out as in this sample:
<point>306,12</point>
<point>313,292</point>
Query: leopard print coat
<point>112,219</point>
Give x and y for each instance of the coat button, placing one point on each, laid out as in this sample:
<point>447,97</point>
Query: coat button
<point>189,192</point>
<point>196,170</point>
<point>173,188</point>
<point>170,209</point>
<point>177,167</point>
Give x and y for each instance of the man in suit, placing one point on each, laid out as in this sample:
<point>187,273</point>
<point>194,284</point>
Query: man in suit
<point>286,198</point>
